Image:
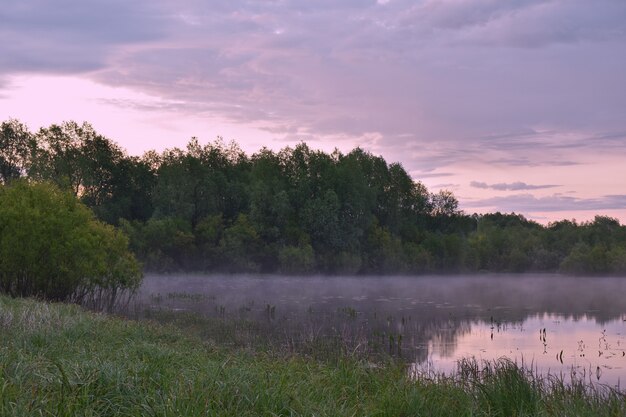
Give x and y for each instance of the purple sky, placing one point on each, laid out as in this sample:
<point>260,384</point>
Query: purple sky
<point>516,105</point>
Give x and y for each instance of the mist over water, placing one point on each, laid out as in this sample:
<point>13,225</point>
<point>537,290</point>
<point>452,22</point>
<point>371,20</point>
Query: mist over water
<point>555,324</point>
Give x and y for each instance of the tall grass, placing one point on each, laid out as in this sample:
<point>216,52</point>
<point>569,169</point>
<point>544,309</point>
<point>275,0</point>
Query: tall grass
<point>60,360</point>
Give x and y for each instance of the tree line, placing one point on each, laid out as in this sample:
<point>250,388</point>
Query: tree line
<point>212,207</point>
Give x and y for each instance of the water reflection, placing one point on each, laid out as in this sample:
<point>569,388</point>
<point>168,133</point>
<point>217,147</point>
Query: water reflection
<point>554,324</point>
<point>549,343</point>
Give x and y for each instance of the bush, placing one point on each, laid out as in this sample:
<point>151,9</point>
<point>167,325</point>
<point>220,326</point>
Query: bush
<point>297,259</point>
<point>585,259</point>
<point>52,247</point>
<point>241,246</point>
<point>164,245</point>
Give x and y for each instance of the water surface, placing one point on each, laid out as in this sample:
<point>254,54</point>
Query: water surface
<point>557,325</point>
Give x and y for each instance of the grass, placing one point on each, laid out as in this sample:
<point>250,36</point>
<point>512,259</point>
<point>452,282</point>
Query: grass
<point>59,360</point>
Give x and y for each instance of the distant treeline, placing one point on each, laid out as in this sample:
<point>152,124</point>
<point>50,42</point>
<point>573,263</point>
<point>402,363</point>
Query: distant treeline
<point>214,208</point>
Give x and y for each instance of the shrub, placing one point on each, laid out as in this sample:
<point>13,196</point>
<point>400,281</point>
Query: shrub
<point>297,259</point>
<point>52,247</point>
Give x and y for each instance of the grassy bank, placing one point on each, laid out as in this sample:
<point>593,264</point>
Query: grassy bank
<point>60,360</point>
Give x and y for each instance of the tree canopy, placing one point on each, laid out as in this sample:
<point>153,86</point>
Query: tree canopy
<point>211,207</point>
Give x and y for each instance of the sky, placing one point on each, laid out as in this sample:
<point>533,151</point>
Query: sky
<point>515,106</point>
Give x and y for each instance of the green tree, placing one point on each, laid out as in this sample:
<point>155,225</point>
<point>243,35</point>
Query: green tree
<point>241,246</point>
<point>58,155</point>
<point>296,259</point>
<point>201,181</point>
<point>16,144</point>
<point>52,247</point>
<point>208,235</point>
<point>383,252</point>
<point>444,203</point>
<point>163,244</point>
<point>270,206</point>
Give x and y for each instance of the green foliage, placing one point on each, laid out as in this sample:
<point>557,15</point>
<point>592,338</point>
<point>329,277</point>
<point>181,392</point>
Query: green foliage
<point>164,245</point>
<point>78,159</point>
<point>208,234</point>
<point>585,259</point>
<point>600,248</point>
<point>384,252</point>
<point>16,144</point>
<point>444,203</point>
<point>320,220</point>
<point>617,260</point>
<point>297,259</point>
<point>212,208</point>
<point>52,247</point>
<point>241,246</point>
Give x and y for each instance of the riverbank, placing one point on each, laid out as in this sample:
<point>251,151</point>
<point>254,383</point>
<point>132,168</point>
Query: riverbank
<point>60,360</point>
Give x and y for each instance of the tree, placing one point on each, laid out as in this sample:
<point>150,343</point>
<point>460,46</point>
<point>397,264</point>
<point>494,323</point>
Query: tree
<point>444,203</point>
<point>75,157</point>
<point>296,259</point>
<point>241,246</point>
<point>58,155</point>
<point>15,148</point>
<point>270,207</point>
<point>200,181</point>
<point>211,207</point>
<point>52,247</point>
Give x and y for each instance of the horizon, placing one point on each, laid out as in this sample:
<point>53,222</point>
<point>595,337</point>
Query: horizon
<point>514,107</point>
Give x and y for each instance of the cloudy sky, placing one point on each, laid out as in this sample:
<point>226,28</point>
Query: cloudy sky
<point>516,105</point>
